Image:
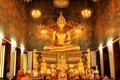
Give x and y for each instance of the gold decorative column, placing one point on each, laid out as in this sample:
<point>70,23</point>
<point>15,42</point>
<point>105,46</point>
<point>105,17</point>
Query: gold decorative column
<point>88,58</point>
<point>89,72</point>
<point>35,62</point>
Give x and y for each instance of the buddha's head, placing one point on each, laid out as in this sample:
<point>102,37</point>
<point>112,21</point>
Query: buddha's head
<point>61,20</point>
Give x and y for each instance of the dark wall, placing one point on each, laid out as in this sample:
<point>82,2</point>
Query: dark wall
<point>50,13</point>
<point>7,59</point>
<point>101,26</point>
<point>108,24</point>
<point>16,21</point>
<point>106,61</point>
<point>116,47</point>
<point>13,20</point>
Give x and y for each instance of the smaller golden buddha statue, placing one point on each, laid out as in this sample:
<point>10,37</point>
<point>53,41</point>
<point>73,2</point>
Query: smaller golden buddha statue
<point>43,67</point>
<point>62,63</point>
<point>81,66</point>
<point>61,37</point>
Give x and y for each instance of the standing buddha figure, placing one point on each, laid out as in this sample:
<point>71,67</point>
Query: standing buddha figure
<point>61,37</point>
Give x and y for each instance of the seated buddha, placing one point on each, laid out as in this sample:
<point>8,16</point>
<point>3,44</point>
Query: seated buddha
<point>62,64</point>
<point>81,66</point>
<point>43,67</point>
<point>61,38</point>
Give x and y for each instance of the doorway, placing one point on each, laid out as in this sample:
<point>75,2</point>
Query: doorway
<point>106,62</point>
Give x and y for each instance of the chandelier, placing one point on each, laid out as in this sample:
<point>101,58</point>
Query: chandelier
<point>27,0</point>
<point>86,13</point>
<point>94,0</point>
<point>61,3</point>
<point>35,13</point>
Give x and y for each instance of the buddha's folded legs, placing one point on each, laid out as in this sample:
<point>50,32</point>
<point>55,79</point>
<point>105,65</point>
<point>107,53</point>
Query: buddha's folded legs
<point>62,48</point>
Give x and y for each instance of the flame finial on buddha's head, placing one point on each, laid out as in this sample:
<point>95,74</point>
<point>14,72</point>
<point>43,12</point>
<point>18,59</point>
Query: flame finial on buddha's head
<point>61,18</point>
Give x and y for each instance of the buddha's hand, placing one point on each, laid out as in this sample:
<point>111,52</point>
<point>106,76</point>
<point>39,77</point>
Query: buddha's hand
<point>52,42</point>
<point>67,41</point>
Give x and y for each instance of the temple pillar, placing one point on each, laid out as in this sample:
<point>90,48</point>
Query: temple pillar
<point>2,58</point>
<point>101,61</point>
<point>93,58</point>
<point>25,62</point>
<point>21,62</point>
<point>111,61</point>
<point>12,61</point>
<point>29,61</point>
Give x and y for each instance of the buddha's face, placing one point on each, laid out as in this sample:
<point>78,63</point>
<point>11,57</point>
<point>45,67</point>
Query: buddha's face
<point>61,23</point>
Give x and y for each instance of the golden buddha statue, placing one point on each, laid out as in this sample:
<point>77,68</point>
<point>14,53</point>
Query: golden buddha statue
<point>43,67</point>
<point>61,37</point>
<point>81,66</point>
<point>62,65</point>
